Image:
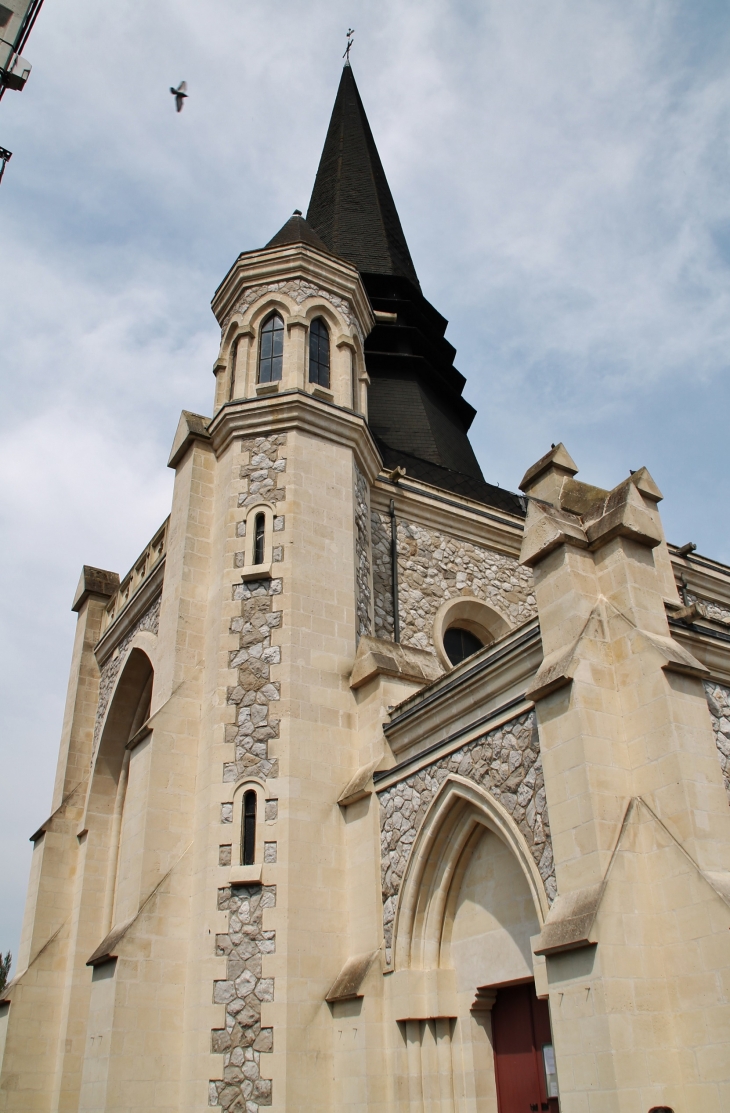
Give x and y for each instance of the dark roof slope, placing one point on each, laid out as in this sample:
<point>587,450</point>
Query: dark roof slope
<point>449,480</point>
<point>297,230</point>
<point>352,208</point>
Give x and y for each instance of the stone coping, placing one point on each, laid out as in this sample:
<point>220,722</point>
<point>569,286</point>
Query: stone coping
<point>449,705</point>
<point>508,711</point>
<point>296,409</point>
<point>148,591</point>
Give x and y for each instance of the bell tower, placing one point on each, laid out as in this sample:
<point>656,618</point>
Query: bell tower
<point>294,281</point>
<point>205,902</point>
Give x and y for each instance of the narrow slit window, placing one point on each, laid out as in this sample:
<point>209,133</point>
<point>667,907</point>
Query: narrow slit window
<point>259,537</point>
<point>234,358</point>
<point>271,352</point>
<point>248,843</point>
<point>319,353</point>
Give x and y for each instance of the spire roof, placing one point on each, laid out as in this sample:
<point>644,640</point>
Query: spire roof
<point>352,208</point>
<point>297,230</point>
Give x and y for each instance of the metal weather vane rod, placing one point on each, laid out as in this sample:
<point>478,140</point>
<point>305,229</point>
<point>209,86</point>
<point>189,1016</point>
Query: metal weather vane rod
<point>5,157</point>
<point>346,55</point>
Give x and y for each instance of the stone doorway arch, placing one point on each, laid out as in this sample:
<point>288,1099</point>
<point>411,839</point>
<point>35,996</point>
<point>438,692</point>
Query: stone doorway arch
<point>471,900</point>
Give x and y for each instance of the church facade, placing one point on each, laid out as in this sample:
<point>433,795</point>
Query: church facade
<point>380,788</point>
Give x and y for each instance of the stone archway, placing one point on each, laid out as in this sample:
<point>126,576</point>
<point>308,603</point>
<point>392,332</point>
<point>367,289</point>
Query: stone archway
<point>471,899</point>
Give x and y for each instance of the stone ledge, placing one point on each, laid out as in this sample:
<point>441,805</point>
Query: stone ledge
<point>94,581</point>
<point>108,946</point>
<point>191,427</point>
<point>297,409</point>
<point>348,983</point>
<point>360,786</point>
<point>570,921</point>
<point>60,813</point>
<point>245,875</point>
<point>377,657</point>
<point>132,612</point>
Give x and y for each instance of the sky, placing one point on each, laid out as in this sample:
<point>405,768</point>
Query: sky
<point>561,172</point>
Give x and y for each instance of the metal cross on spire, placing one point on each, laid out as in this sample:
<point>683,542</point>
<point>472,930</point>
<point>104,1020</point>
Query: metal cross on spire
<point>346,55</point>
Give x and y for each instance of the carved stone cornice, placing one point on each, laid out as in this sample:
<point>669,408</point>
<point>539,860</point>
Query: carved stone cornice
<point>491,683</point>
<point>296,409</point>
<point>709,646</point>
<point>705,578</point>
<point>291,261</point>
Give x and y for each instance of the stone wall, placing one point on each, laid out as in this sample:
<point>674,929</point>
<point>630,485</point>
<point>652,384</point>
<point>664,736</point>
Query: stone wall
<point>243,1089</point>
<point>262,471</point>
<point>150,620</point>
<point>254,691</point>
<point>382,578</point>
<point>718,699</point>
<point>364,594</point>
<point>709,609</point>
<point>434,567</point>
<point>507,763</point>
<point>243,1041</point>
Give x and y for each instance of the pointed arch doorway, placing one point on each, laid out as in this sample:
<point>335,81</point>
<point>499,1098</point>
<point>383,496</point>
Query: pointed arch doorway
<point>524,1060</point>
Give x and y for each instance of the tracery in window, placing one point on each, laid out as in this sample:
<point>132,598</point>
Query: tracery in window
<point>271,349</point>
<point>319,353</point>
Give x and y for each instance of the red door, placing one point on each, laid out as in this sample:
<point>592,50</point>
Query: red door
<point>522,1048</point>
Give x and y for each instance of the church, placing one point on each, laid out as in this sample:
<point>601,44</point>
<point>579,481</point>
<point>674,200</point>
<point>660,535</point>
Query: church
<point>380,789</point>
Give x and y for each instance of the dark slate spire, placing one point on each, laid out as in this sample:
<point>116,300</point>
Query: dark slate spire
<point>352,208</point>
<point>416,409</point>
<point>297,230</point>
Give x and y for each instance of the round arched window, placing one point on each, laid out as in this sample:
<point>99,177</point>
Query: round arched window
<point>463,626</point>
<point>460,644</point>
<point>271,351</point>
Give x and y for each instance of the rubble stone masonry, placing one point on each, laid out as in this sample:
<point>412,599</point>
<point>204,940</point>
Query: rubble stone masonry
<point>362,555</point>
<point>718,699</point>
<point>433,567</point>
<point>506,762</point>
<point>243,1041</point>
<point>244,1087</point>
<point>150,620</point>
<point>382,578</point>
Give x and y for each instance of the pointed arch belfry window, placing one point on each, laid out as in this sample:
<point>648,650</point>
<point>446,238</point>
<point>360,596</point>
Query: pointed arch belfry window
<point>271,349</point>
<point>319,353</point>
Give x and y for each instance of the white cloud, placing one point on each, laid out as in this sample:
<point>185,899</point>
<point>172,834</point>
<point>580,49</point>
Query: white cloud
<point>560,170</point>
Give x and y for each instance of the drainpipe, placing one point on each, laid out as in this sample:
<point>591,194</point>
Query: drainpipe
<point>394,570</point>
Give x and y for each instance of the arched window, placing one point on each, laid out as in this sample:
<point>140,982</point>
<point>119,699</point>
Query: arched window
<point>259,538</point>
<point>248,833</point>
<point>271,351</point>
<point>460,644</point>
<point>319,353</point>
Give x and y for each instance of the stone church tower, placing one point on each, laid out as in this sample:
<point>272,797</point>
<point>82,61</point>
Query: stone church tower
<point>380,788</point>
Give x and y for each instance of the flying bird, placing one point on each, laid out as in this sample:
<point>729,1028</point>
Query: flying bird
<point>179,94</point>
